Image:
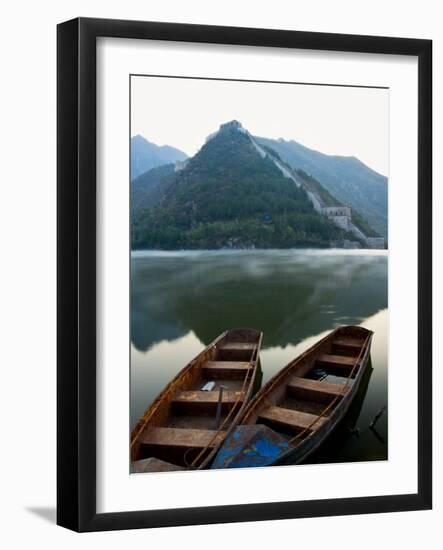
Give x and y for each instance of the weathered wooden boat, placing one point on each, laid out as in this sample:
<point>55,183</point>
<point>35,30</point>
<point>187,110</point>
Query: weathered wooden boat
<point>298,409</point>
<point>188,421</point>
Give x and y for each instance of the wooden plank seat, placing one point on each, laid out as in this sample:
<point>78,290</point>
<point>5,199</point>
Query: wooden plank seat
<point>314,390</point>
<point>346,346</point>
<point>291,418</point>
<point>238,346</point>
<point>236,350</point>
<point>339,363</point>
<point>226,369</point>
<point>349,342</point>
<point>205,401</point>
<point>180,437</point>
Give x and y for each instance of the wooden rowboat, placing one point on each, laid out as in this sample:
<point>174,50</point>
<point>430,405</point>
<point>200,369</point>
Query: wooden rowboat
<point>301,405</point>
<point>188,421</point>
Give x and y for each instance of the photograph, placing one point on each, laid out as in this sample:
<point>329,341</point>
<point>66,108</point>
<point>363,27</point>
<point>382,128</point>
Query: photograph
<point>258,273</point>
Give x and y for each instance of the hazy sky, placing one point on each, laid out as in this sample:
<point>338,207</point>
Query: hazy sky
<point>331,119</point>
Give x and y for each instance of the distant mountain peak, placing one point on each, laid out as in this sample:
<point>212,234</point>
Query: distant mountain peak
<point>146,155</point>
<point>139,137</point>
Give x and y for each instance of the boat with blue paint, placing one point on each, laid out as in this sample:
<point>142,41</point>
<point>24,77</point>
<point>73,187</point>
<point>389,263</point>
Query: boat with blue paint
<point>300,407</point>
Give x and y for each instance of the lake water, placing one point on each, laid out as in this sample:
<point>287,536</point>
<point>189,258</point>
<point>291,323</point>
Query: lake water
<point>180,302</point>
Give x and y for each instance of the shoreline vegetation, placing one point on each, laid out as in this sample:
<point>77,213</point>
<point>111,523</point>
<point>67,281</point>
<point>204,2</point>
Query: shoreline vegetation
<point>337,250</point>
<point>291,231</point>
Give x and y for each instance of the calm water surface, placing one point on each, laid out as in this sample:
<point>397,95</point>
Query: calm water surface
<point>180,301</point>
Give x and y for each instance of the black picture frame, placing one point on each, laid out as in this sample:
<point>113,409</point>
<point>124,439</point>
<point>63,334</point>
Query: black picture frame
<point>76,265</point>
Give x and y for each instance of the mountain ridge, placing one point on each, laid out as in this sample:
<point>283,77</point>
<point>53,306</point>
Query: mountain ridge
<point>146,155</point>
<point>236,194</point>
<point>347,178</point>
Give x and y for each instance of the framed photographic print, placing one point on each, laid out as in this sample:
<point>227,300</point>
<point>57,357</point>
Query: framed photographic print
<point>244,274</point>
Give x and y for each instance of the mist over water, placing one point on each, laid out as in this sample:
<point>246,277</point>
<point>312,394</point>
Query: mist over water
<point>180,302</point>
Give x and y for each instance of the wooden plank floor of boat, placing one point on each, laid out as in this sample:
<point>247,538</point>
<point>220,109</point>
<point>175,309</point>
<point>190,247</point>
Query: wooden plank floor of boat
<point>349,342</point>
<point>338,363</point>
<point>236,351</point>
<point>180,437</point>
<point>230,369</point>
<point>205,401</point>
<point>291,418</point>
<point>346,346</point>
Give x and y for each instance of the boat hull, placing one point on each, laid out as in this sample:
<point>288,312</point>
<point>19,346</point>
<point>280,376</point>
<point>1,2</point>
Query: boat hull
<point>298,405</point>
<point>189,419</point>
<point>307,448</point>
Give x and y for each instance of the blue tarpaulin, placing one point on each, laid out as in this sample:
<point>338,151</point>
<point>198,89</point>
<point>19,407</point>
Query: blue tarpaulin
<point>251,446</point>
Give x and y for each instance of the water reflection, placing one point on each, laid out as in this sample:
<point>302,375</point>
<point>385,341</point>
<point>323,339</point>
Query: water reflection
<point>290,295</point>
<point>181,301</point>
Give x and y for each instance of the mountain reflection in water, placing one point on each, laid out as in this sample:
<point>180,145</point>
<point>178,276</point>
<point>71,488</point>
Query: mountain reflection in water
<point>180,301</point>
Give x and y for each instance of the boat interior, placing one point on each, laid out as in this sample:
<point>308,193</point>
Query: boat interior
<point>191,416</point>
<point>305,393</point>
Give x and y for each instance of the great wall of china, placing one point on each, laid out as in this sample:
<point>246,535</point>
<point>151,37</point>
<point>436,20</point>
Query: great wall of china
<point>339,214</point>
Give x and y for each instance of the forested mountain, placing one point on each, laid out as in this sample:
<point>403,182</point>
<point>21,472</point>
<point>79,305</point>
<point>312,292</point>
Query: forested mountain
<point>232,193</point>
<point>346,178</point>
<point>146,155</point>
<point>148,189</point>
